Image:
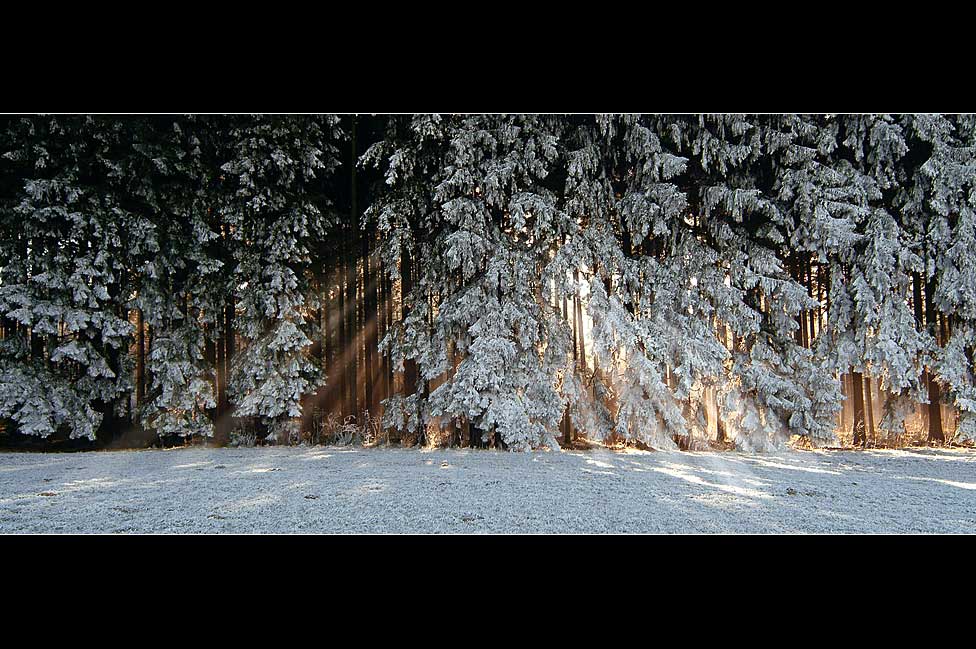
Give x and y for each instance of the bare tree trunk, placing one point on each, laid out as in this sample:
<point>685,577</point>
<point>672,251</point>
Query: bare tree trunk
<point>919,308</point>
<point>810,314</point>
<point>388,282</point>
<point>406,287</point>
<point>225,356</point>
<point>140,359</point>
<point>869,406</point>
<point>209,347</point>
<point>150,338</point>
<point>858,403</point>
<point>219,367</point>
<point>229,343</point>
<point>380,310</point>
<point>350,307</point>
<point>342,343</point>
<point>370,326</point>
<point>821,278</point>
<point>720,433</point>
<point>579,327</point>
<point>567,424</point>
<point>936,434</point>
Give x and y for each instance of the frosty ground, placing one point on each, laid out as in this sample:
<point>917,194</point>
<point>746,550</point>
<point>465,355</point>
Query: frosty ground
<point>381,490</point>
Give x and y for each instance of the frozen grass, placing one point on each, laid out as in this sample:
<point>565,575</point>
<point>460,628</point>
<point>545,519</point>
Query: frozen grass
<point>341,489</point>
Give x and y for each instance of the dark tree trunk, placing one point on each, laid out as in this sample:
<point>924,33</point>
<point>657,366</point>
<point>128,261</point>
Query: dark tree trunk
<point>225,360</point>
<point>578,318</point>
<point>858,405</point>
<point>821,278</point>
<point>936,434</point>
<point>331,336</point>
<point>919,309</point>
<point>351,351</point>
<point>351,282</point>
<point>342,346</point>
<point>406,287</point>
<point>810,314</point>
<point>221,383</point>
<point>141,359</point>
<point>369,327</point>
<point>379,311</point>
<point>311,402</point>
<point>567,423</point>
<point>388,305</point>
<point>869,406</point>
<point>229,343</point>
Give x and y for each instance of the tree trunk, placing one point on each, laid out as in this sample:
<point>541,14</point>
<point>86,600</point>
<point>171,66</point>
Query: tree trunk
<point>351,338</point>
<point>406,286</point>
<point>578,317</point>
<point>869,405</point>
<point>936,434</point>
<point>342,343</point>
<point>350,308</point>
<point>140,359</point>
<point>388,282</point>
<point>369,327</point>
<point>224,423</point>
<point>566,423</point>
<point>821,278</point>
<point>229,343</point>
<point>380,311</point>
<point>331,349</point>
<point>858,403</point>
<point>810,314</point>
<point>221,385</point>
<point>919,308</point>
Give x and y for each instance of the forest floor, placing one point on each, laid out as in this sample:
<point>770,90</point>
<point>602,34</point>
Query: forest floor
<point>383,490</point>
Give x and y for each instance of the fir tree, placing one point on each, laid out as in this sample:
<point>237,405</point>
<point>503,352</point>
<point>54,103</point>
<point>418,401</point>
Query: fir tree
<point>65,368</point>
<point>169,240</point>
<point>270,163</point>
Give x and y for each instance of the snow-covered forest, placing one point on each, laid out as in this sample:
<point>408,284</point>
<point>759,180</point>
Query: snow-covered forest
<point>514,281</point>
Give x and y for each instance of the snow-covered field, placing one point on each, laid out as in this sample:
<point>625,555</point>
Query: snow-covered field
<point>330,489</point>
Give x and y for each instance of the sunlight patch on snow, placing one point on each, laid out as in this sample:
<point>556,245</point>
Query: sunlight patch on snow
<point>792,467</point>
<point>945,454</point>
<point>317,456</point>
<point>951,483</point>
<point>756,482</point>
<point>674,471</point>
<point>91,483</point>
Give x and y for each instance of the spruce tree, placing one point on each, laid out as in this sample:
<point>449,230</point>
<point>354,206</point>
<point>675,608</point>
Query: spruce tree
<point>269,166</point>
<point>169,242</point>
<point>65,369</point>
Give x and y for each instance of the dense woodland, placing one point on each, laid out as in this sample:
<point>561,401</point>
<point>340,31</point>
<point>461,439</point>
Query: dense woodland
<point>513,281</point>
